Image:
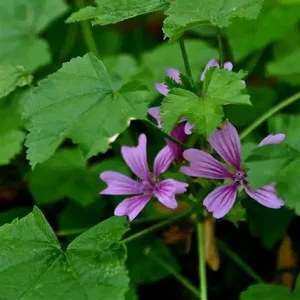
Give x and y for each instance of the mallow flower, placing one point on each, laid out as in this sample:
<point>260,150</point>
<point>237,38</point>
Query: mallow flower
<point>148,184</point>
<point>226,143</point>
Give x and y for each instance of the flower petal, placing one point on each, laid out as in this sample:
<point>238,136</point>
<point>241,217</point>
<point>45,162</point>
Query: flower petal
<point>221,200</point>
<point>266,196</point>
<point>204,165</point>
<point>131,207</point>
<point>180,187</point>
<point>179,134</point>
<point>119,184</point>
<point>162,161</point>
<point>188,128</point>
<point>228,66</point>
<point>227,144</point>
<point>272,139</point>
<point>211,63</point>
<point>136,158</point>
<point>174,74</point>
<point>162,88</point>
<point>154,113</point>
<point>166,193</point>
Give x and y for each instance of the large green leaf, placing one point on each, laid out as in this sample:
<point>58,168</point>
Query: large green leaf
<point>21,22</point>
<point>280,164</point>
<point>111,12</point>
<point>271,292</point>
<point>246,36</point>
<point>11,133</point>
<point>12,77</point>
<point>184,15</point>
<point>221,87</point>
<point>80,102</point>
<point>92,267</point>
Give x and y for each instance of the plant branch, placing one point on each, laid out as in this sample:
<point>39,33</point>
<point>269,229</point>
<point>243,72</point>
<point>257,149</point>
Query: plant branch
<point>181,279</point>
<point>185,59</point>
<point>202,262</point>
<point>220,44</point>
<point>223,247</point>
<point>269,114</point>
<point>169,137</point>
<point>87,32</point>
<point>156,226</point>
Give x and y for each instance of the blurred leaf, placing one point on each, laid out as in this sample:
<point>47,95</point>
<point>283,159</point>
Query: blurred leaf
<point>236,214</point>
<point>262,98</point>
<point>11,135</point>
<point>286,68</point>
<point>12,77</point>
<point>221,87</point>
<point>68,176</point>
<point>270,225</point>
<point>246,36</point>
<point>79,108</point>
<point>91,267</point>
<point>131,294</point>
<point>21,23</point>
<point>288,124</point>
<point>144,270</point>
<point>270,292</point>
<point>10,215</point>
<point>183,15</point>
<point>280,164</point>
<point>111,12</point>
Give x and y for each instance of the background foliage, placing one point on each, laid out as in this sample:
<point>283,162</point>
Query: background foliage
<point>71,94</point>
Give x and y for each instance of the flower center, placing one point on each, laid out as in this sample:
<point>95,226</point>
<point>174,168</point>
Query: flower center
<point>239,176</point>
<point>150,187</point>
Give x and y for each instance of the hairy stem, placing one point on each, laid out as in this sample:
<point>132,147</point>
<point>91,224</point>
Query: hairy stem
<point>269,114</point>
<point>181,279</point>
<point>169,137</point>
<point>185,59</point>
<point>87,32</point>
<point>220,45</point>
<point>156,226</point>
<point>202,263</point>
<point>224,248</point>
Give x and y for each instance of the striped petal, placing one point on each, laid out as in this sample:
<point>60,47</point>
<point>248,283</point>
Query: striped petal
<point>131,207</point>
<point>272,139</point>
<point>204,165</point>
<point>227,144</point>
<point>221,200</point>
<point>166,193</point>
<point>162,161</point>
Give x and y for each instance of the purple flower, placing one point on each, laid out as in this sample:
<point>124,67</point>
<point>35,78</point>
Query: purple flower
<point>227,144</point>
<point>147,186</point>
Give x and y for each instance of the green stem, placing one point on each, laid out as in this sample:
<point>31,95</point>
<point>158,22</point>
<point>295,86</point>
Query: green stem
<point>181,279</point>
<point>169,137</point>
<point>156,226</point>
<point>185,59</point>
<point>220,43</point>
<point>269,114</point>
<point>202,262</point>
<point>87,32</point>
<point>223,247</point>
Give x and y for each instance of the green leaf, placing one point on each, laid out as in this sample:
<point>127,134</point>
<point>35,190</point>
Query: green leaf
<point>286,68</point>
<point>11,135</point>
<point>83,106</point>
<point>67,176</point>
<point>12,77</point>
<point>289,125</point>
<point>111,12</point>
<point>236,214</point>
<point>221,87</point>
<point>271,292</point>
<point>246,36</point>
<point>184,15</point>
<point>266,162</point>
<point>92,267</point>
<point>144,270</point>
<point>280,164</point>
<point>21,23</point>
<point>270,225</point>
